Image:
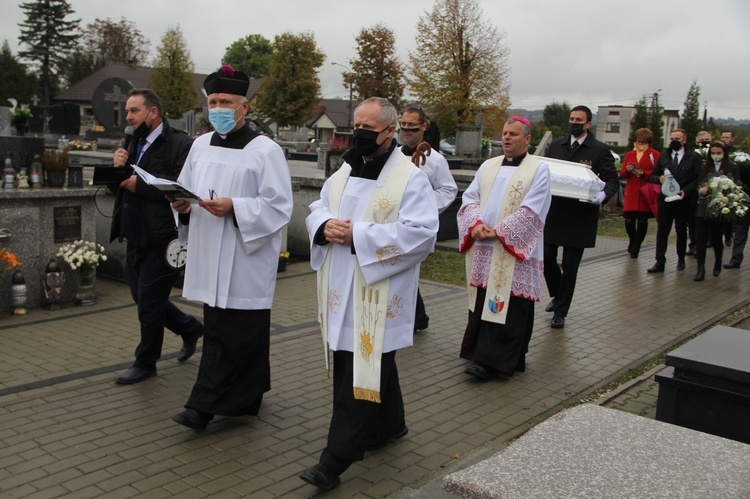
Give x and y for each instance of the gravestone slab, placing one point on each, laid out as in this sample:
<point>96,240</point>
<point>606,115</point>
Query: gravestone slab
<point>108,103</point>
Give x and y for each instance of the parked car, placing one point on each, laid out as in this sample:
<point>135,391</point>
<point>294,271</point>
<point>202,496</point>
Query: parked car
<point>447,149</point>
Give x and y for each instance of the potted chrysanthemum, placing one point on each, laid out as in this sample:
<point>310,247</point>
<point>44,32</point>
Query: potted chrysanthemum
<point>83,257</point>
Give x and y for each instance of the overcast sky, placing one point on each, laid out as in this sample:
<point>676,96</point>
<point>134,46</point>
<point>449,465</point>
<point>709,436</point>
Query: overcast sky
<point>593,52</point>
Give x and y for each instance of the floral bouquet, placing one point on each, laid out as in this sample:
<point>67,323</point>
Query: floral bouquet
<point>740,158</point>
<point>338,144</point>
<point>9,260</point>
<point>84,255</point>
<point>79,145</point>
<point>727,200</point>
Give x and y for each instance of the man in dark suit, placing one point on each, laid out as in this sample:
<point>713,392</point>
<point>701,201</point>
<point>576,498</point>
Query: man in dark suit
<point>571,223</point>
<point>685,165</point>
<point>143,217</point>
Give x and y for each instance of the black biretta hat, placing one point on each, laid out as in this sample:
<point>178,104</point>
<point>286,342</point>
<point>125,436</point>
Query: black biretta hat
<point>227,81</point>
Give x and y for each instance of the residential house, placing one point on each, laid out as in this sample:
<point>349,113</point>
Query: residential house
<point>614,124</point>
<point>332,116</point>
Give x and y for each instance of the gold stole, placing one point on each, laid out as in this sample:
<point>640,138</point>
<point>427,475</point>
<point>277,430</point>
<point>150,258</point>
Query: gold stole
<point>370,301</point>
<point>503,263</point>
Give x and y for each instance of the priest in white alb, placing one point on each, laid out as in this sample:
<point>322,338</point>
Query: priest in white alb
<point>501,230</point>
<point>234,239</point>
<point>370,230</point>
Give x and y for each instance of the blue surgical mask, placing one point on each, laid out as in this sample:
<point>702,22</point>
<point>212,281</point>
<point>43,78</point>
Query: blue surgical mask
<point>222,119</point>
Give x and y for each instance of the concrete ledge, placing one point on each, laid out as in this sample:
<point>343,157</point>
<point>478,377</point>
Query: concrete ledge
<point>591,451</point>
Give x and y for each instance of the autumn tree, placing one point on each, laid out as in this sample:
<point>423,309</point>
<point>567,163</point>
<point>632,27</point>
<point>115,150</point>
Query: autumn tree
<point>172,74</point>
<point>292,88</point>
<point>249,55</point>
<point>376,71</point>
<point>556,116</point>
<point>49,37</point>
<point>691,119</point>
<point>460,67</point>
<point>15,81</point>
<point>102,42</point>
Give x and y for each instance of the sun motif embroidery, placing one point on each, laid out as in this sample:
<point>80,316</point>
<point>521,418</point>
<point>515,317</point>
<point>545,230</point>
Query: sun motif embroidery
<point>334,300</point>
<point>384,206</point>
<point>395,305</point>
<point>365,346</point>
<point>389,254</point>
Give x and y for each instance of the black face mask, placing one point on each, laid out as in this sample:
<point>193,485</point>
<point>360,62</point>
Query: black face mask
<point>366,141</point>
<point>704,143</point>
<point>141,131</point>
<point>675,145</point>
<point>576,129</point>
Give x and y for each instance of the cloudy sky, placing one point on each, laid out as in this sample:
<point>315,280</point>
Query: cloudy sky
<point>593,52</point>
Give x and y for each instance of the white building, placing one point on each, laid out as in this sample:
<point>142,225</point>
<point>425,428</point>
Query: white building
<point>613,124</point>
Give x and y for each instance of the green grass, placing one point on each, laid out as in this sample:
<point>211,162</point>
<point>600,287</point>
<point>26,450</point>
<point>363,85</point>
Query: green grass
<point>447,267</point>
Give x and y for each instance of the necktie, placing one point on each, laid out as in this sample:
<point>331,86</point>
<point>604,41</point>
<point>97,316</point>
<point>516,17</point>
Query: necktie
<point>139,149</point>
<point>574,145</point>
<point>674,161</point>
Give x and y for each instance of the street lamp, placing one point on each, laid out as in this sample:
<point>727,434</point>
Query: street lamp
<point>350,92</point>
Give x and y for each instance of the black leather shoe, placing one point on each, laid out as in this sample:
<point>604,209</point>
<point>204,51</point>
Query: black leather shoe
<point>421,325</point>
<point>321,476</point>
<point>134,375</point>
<point>731,265</point>
<point>727,240</point>
<point>717,271</point>
<point>558,322</point>
<point>193,419</point>
<point>681,265</point>
<point>477,371</point>
<point>399,434</point>
<point>188,348</point>
<point>550,306</point>
<point>656,269</point>
<point>700,275</point>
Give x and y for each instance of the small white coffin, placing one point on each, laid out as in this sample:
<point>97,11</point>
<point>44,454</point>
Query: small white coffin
<point>573,180</point>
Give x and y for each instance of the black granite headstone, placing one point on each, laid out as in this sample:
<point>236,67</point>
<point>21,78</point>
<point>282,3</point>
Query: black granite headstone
<point>62,119</point>
<point>67,224</point>
<point>108,103</point>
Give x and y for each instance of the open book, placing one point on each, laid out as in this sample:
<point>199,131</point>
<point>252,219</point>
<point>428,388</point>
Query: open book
<point>170,188</point>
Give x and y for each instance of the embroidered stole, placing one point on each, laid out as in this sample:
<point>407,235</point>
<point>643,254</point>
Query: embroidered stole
<point>503,263</point>
<point>370,301</point>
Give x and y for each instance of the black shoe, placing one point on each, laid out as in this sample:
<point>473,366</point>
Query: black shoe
<point>477,371</point>
<point>717,271</point>
<point>731,265</point>
<point>701,274</point>
<point>421,325</point>
<point>681,265</point>
<point>558,322</point>
<point>134,375</point>
<point>690,251</point>
<point>399,434</point>
<point>727,240</point>
<point>321,476</point>
<point>550,306</point>
<point>656,269</point>
<point>193,419</point>
<point>188,348</point>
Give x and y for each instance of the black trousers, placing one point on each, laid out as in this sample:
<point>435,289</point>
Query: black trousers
<point>740,228</point>
<point>675,212</point>
<point>709,233</point>
<point>151,280</point>
<point>420,317</point>
<point>357,424</point>
<point>561,283</point>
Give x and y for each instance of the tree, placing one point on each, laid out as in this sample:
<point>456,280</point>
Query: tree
<point>172,74</point>
<point>556,115</point>
<point>460,68</point>
<point>376,71</point>
<point>656,121</point>
<point>49,37</point>
<point>291,89</point>
<point>691,120</point>
<point>640,119</point>
<point>249,55</point>
<point>15,82</point>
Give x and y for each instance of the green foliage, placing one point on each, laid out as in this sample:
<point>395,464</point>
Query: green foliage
<point>448,267</point>
<point>640,119</point>
<point>691,121</point>
<point>292,87</point>
<point>49,38</point>
<point>556,115</point>
<point>15,81</point>
<point>376,72</point>
<point>172,74</point>
<point>460,68</point>
<point>250,55</point>
<point>656,121</point>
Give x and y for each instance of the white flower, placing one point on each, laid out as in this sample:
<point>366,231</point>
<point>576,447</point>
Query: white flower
<point>724,210</point>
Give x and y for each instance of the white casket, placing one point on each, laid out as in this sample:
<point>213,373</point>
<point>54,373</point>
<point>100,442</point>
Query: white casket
<point>573,180</point>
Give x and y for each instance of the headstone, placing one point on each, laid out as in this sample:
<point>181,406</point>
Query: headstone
<point>108,103</point>
<point>58,119</point>
<point>4,121</point>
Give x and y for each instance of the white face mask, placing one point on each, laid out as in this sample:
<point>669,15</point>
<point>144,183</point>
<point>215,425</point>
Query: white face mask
<point>717,157</point>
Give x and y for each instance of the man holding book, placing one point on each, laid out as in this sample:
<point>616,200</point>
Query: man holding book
<point>143,218</point>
